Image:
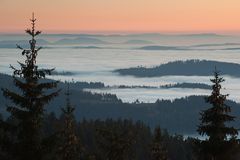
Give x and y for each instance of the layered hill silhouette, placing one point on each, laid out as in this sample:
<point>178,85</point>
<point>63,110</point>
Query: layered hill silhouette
<point>138,41</point>
<point>80,40</point>
<point>23,43</point>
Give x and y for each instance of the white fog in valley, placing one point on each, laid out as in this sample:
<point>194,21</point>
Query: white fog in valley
<point>95,62</point>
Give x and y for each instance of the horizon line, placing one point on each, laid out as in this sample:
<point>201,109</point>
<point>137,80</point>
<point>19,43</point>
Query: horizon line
<point>125,33</point>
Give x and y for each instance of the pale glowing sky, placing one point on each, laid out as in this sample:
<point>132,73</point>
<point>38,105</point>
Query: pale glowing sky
<point>112,16</point>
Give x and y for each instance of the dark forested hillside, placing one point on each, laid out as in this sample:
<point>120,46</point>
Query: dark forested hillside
<point>178,116</point>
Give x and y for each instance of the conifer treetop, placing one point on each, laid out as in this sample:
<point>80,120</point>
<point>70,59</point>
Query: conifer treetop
<point>69,108</point>
<point>29,69</point>
<point>221,141</point>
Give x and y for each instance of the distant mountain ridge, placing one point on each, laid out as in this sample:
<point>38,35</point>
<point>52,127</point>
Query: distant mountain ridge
<point>80,40</point>
<point>136,41</point>
<point>192,47</point>
<point>22,43</point>
<point>217,44</point>
<point>163,40</point>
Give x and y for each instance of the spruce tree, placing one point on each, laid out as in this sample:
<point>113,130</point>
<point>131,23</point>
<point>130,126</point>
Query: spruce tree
<point>29,103</point>
<point>116,145</point>
<point>221,139</point>
<point>69,148</point>
<point>158,152</point>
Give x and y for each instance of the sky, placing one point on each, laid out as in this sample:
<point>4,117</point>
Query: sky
<point>122,16</point>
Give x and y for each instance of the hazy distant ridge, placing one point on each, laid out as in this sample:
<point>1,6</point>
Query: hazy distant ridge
<point>22,43</point>
<point>80,40</point>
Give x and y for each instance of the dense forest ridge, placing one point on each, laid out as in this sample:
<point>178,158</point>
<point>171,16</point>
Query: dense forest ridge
<point>183,68</point>
<point>188,85</point>
<point>177,116</point>
<point>167,86</point>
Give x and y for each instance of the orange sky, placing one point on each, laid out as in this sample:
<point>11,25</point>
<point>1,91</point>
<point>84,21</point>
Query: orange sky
<point>220,16</point>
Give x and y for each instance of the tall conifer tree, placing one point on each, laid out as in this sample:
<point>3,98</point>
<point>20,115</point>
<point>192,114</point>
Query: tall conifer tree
<point>158,152</point>
<point>29,104</point>
<point>221,139</point>
<point>69,148</point>
<point>116,145</point>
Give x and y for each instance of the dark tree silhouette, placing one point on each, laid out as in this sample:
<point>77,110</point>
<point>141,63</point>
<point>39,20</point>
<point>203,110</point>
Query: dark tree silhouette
<point>158,151</point>
<point>116,145</point>
<point>29,103</point>
<point>221,139</point>
<point>69,148</point>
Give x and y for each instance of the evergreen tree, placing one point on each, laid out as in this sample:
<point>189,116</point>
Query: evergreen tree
<point>29,104</point>
<point>221,141</point>
<point>158,152</point>
<point>116,145</point>
<point>69,149</point>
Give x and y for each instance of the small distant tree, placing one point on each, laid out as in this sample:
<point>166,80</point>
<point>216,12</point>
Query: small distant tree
<point>69,148</point>
<point>29,103</point>
<point>158,151</point>
<point>221,141</point>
